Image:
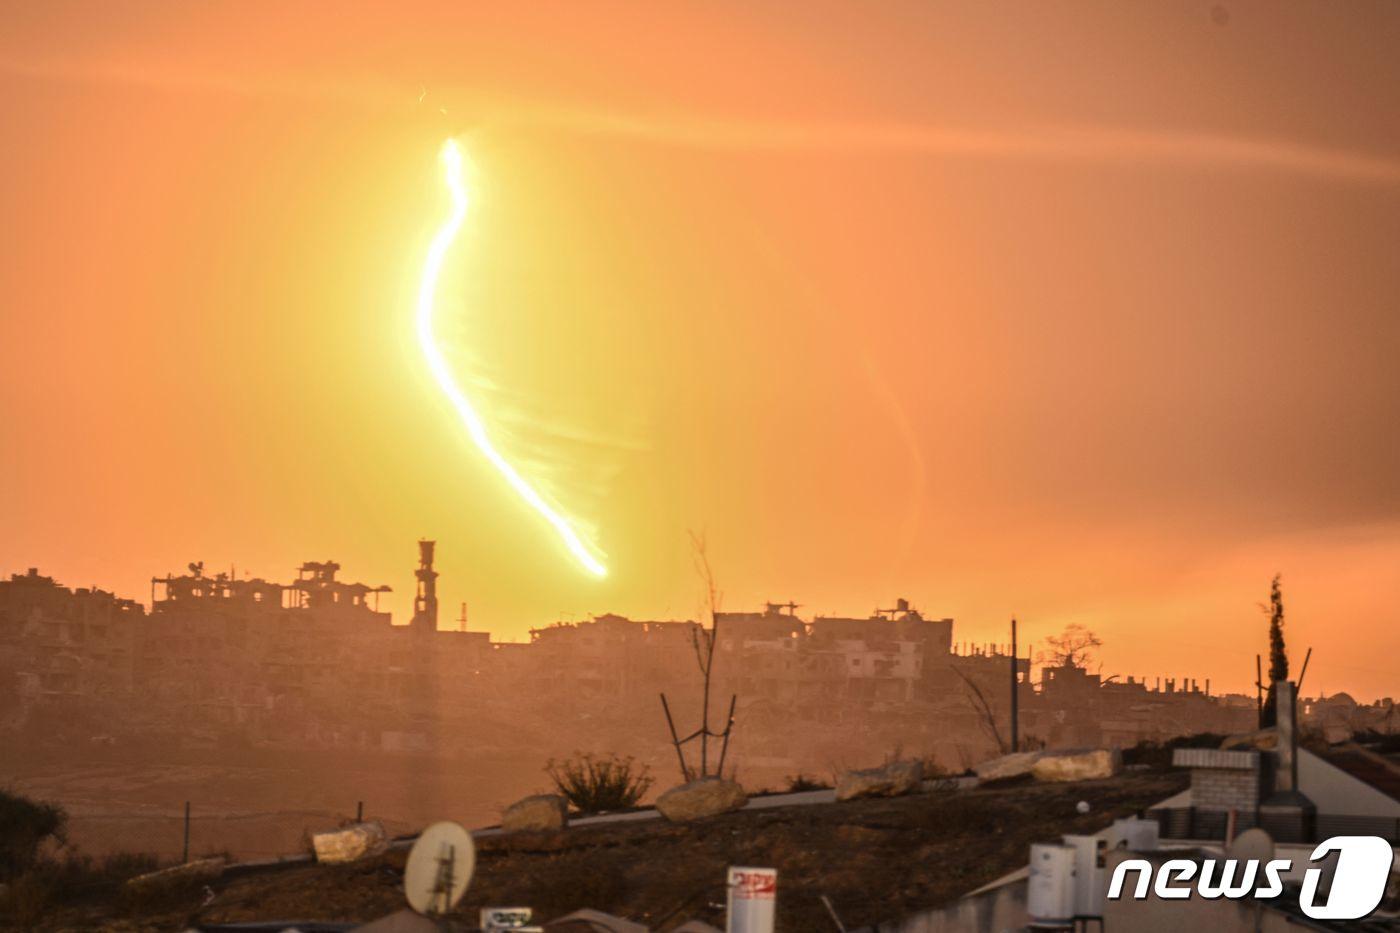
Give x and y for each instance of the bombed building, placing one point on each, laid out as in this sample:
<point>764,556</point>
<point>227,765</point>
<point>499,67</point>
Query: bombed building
<point>315,662</point>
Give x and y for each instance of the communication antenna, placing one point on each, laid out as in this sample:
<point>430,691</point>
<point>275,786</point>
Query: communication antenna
<point>439,869</point>
<point>1253,844</point>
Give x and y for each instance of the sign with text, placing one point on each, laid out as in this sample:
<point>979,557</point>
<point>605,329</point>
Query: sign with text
<point>753,900</point>
<point>495,919</point>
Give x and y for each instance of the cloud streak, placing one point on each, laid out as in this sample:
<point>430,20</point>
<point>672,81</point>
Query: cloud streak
<point>1187,149</point>
<point>1107,145</point>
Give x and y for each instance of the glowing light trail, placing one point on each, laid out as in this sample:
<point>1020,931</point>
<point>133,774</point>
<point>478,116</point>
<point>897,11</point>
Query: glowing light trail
<point>476,429</point>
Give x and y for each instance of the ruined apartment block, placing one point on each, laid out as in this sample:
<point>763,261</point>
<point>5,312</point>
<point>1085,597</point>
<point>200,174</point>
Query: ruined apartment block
<point>315,661</point>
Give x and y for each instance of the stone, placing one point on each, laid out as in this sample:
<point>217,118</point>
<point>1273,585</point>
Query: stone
<point>698,799</point>
<point>540,813</point>
<point>893,780</point>
<point>1078,765</point>
<point>1014,765</point>
<point>354,842</point>
<point>204,869</point>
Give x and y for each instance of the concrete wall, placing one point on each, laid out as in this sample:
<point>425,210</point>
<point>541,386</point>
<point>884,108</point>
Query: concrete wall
<point>1221,789</point>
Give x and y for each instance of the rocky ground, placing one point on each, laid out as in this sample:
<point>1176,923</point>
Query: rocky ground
<point>876,859</point>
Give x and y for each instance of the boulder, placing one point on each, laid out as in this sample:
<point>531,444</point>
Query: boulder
<point>1007,766</point>
<point>203,869</point>
<point>540,813</point>
<point>893,780</point>
<point>354,842</point>
<point>1078,765</point>
<point>699,799</point>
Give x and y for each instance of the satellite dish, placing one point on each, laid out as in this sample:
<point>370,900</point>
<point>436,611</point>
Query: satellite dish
<point>1253,844</point>
<point>439,868</point>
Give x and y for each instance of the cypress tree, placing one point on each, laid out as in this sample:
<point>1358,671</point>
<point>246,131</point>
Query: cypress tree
<point>1278,654</point>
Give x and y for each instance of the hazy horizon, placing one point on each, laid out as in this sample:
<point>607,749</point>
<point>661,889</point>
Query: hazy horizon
<point>1079,313</point>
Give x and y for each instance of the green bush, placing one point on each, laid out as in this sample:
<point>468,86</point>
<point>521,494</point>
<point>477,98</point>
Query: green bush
<point>25,825</point>
<point>594,784</point>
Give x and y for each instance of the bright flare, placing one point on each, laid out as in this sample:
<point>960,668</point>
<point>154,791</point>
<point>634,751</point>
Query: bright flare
<point>427,290</point>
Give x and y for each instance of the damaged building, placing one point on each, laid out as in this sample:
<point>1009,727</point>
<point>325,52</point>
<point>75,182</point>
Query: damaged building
<point>315,662</point>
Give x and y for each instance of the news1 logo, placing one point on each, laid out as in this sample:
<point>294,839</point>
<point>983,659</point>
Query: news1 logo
<point>1358,883</point>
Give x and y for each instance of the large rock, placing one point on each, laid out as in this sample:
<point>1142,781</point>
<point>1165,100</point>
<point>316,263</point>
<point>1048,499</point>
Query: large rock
<point>698,799</point>
<point>893,780</point>
<point>354,842</point>
<point>540,813</point>
<point>1007,766</point>
<point>203,869</point>
<point>1078,765</point>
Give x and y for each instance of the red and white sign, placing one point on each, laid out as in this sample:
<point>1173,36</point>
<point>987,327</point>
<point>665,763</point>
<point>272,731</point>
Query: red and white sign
<point>753,900</point>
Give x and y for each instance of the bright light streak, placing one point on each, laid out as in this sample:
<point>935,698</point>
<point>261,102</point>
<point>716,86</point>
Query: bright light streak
<point>476,429</point>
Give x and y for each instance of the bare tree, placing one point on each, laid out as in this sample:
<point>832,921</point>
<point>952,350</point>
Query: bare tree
<point>703,642</point>
<point>1071,648</point>
<point>987,718</point>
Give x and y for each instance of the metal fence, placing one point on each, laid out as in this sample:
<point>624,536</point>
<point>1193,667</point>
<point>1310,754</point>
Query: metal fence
<point>188,831</point>
<point>1191,823</point>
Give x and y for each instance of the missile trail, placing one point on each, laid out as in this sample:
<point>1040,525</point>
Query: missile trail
<point>451,158</point>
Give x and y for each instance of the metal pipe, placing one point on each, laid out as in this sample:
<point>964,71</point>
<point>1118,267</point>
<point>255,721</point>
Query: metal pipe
<point>1015,718</point>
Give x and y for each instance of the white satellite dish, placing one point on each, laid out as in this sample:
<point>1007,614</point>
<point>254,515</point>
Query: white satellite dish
<point>439,868</point>
<point>1253,844</point>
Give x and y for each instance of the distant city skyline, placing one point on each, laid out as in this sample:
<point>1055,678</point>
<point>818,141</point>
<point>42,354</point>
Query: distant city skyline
<point>1078,313</point>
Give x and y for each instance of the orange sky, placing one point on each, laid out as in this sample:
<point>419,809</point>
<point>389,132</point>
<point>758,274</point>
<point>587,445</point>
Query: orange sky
<point>1083,312</point>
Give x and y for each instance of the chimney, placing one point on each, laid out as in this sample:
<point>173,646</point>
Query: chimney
<point>1288,812</point>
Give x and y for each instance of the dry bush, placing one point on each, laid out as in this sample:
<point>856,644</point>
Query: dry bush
<point>595,784</point>
<point>800,782</point>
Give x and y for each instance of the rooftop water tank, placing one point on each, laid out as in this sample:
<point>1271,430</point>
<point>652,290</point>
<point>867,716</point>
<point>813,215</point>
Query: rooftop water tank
<point>1050,890</point>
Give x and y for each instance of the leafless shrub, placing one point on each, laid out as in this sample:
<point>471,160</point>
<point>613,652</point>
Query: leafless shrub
<point>594,784</point>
